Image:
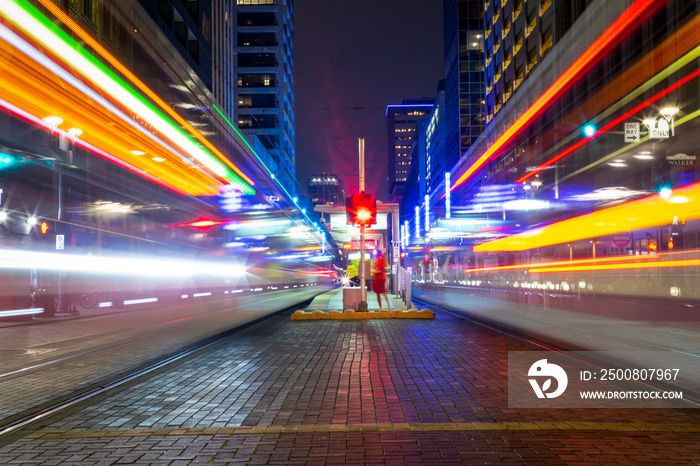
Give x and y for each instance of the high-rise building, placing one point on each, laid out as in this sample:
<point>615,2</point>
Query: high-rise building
<point>435,151</point>
<point>254,73</point>
<point>428,164</point>
<point>187,23</point>
<point>325,189</point>
<point>464,75</point>
<point>402,131</point>
<point>518,35</point>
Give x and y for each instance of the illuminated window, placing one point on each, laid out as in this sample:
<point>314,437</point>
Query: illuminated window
<point>256,80</point>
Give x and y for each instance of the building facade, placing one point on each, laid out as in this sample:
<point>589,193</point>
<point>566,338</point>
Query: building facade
<point>464,75</point>
<point>186,23</point>
<point>402,130</point>
<point>325,188</point>
<point>254,78</point>
<point>435,146</point>
<point>518,36</point>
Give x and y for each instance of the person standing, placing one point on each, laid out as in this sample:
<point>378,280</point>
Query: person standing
<point>379,279</point>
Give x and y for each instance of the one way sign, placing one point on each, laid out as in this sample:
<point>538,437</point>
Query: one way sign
<point>632,132</point>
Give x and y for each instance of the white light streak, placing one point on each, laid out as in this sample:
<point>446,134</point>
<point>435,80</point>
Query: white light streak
<point>427,213</point>
<point>106,265</point>
<point>140,301</point>
<point>22,312</point>
<point>417,222</point>
<point>448,206</point>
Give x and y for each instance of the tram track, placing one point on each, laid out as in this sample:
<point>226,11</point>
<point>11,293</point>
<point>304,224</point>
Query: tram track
<point>122,341</point>
<point>11,426</point>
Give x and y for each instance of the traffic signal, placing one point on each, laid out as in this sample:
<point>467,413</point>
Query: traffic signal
<point>665,189</point>
<point>6,161</point>
<point>589,129</point>
<point>361,209</point>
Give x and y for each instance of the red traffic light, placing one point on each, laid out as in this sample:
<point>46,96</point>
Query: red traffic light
<point>361,209</point>
<point>44,228</point>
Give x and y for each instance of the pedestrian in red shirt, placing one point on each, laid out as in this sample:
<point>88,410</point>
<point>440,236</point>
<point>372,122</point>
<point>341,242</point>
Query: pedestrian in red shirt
<point>379,279</point>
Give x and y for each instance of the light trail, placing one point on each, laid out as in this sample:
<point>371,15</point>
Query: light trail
<point>578,262</point>
<point>88,39</point>
<point>140,266</point>
<point>609,126</point>
<point>25,84</point>
<point>635,265</point>
<point>660,64</point>
<point>35,25</point>
<point>598,46</point>
<point>647,212</point>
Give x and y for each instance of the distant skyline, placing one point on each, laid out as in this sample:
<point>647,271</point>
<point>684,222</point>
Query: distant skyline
<point>352,60</point>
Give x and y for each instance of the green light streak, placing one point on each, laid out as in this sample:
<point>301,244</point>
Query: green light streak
<point>60,36</point>
<point>289,196</point>
<point>253,151</point>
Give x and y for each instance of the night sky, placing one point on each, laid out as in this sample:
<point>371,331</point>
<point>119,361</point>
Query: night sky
<point>352,60</point>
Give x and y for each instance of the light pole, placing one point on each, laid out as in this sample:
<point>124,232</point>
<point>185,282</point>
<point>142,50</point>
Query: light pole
<point>362,305</point>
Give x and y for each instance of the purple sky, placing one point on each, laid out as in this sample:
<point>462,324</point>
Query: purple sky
<point>363,54</point>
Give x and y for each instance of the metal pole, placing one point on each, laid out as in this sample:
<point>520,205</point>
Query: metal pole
<point>59,228</point>
<point>362,305</point>
<point>362,165</point>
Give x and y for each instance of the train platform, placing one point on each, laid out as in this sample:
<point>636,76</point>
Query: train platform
<point>331,306</point>
<point>333,300</point>
<point>396,391</point>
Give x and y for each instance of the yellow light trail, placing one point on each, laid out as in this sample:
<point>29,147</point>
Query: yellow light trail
<point>578,262</point>
<point>635,265</point>
<point>647,212</point>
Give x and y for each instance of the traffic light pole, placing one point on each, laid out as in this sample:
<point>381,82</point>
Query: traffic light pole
<point>362,305</point>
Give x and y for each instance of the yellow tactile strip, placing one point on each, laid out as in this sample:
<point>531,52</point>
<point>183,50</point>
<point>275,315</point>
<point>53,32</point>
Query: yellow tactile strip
<point>397,427</point>
<point>425,314</point>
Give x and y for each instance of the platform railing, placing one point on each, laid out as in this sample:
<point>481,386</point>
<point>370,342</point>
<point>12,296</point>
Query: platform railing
<point>405,278</point>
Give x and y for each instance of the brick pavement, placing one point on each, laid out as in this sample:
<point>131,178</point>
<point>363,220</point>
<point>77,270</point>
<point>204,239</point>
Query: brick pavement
<point>46,360</point>
<point>354,392</point>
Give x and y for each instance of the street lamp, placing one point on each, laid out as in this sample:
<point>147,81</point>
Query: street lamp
<point>75,133</point>
<point>668,112</point>
<point>53,122</point>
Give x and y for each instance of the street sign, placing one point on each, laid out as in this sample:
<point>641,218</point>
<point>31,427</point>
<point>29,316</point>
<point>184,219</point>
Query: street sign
<point>659,128</point>
<point>60,242</point>
<point>632,132</point>
<point>681,159</point>
<point>622,240</point>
